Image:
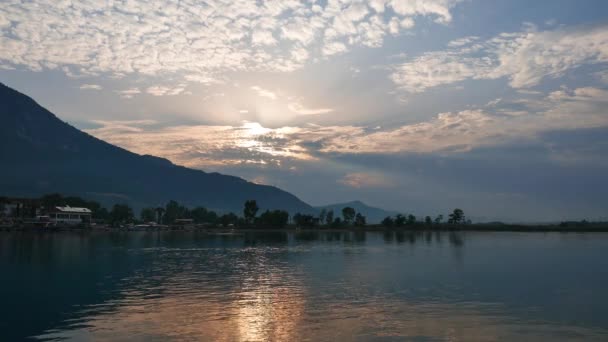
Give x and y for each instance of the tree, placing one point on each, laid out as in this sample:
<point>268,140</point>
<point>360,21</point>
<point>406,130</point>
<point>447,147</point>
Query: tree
<point>159,214</point>
<point>411,219</point>
<point>202,215</point>
<point>250,210</point>
<point>457,217</point>
<point>304,220</point>
<point>148,215</point>
<point>199,214</point>
<point>322,216</point>
<point>121,213</point>
<point>388,221</point>
<point>438,219</point>
<point>102,214</point>
<point>329,217</point>
<point>274,219</point>
<point>228,219</point>
<point>51,201</point>
<point>348,214</point>
<point>337,222</point>
<point>174,211</point>
<point>428,220</point>
<point>399,220</point>
<point>360,220</point>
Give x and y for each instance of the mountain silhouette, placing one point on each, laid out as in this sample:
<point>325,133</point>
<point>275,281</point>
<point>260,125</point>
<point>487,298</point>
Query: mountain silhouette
<point>372,214</point>
<point>40,154</point>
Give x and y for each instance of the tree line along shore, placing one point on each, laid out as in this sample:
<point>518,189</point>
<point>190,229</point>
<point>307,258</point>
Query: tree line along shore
<point>24,213</point>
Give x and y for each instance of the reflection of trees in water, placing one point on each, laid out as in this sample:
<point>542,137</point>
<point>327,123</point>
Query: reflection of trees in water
<point>347,237</point>
<point>307,235</point>
<point>456,239</point>
<point>90,268</point>
<point>388,236</point>
<point>428,237</point>
<point>333,236</point>
<point>359,236</point>
<point>265,238</point>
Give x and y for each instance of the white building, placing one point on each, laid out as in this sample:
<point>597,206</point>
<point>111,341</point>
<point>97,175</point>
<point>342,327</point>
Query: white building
<point>70,216</point>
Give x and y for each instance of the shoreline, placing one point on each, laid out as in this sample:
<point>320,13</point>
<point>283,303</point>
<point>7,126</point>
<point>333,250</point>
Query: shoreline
<point>599,228</point>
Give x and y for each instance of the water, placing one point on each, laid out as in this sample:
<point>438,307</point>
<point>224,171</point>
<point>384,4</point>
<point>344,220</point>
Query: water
<point>314,286</point>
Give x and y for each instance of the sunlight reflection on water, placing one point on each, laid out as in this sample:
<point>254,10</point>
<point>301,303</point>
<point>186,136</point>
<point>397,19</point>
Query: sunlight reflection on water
<point>322,288</point>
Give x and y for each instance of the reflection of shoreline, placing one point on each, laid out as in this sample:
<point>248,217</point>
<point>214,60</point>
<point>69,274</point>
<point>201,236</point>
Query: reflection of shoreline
<point>310,285</point>
<point>593,227</point>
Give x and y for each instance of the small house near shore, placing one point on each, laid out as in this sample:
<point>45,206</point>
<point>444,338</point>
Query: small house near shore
<point>70,216</point>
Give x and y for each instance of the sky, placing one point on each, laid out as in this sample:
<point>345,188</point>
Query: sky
<point>498,107</point>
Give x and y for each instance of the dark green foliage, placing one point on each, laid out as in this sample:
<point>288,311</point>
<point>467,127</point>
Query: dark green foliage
<point>52,200</point>
<point>305,220</point>
<point>202,215</point>
<point>174,211</point>
<point>360,220</point>
<point>102,215</point>
<point>411,219</point>
<point>400,220</point>
<point>228,219</point>
<point>120,214</point>
<point>160,211</point>
<point>438,219</point>
<point>273,219</point>
<point>388,222</point>
<point>348,214</point>
<point>372,215</point>
<point>148,215</point>
<point>456,217</point>
<point>329,217</point>
<point>428,220</point>
<point>250,210</point>
<point>337,223</point>
<point>322,215</point>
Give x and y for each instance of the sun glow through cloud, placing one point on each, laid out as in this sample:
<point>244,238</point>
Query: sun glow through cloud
<point>339,92</point>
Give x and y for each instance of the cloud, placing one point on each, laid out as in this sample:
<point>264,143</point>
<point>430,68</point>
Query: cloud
<point>602,76</point>
<point>121,126</point>
<point>581,108</point>
<point>438,8</point>
<point>263,38</point>
<point>199,42</point>
<point>448,133</point>
<point>463,41</point>
<point>129,93</point>
<point>298,108</point>
<point>334,48</point>
<point>525,58</point>
<point>264,92</point>
<point>205,146</point>
<point>364,180</point>
<point>90,87</point>
<point>260,180</point>
<point>166,91</point>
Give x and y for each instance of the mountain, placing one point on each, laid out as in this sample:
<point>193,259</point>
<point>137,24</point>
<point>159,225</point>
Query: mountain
<point>41,154</point>
<point>373,215</point>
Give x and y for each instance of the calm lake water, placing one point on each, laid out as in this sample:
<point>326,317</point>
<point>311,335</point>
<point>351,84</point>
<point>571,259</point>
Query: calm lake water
<point>315,286</point>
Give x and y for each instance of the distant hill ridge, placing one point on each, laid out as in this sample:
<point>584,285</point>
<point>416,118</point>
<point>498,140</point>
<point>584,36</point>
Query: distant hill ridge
<point>373,215</point>
<point>41,154</point>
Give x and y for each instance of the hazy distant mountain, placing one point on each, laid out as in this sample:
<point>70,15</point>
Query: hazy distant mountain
<point>40,154</point>
<point>373,215</point>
